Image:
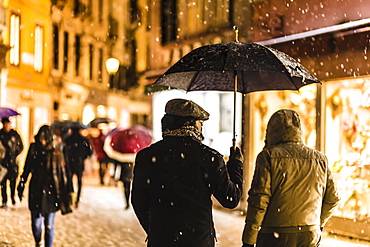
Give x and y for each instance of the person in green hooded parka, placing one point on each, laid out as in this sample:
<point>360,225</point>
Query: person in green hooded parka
<point>292,194</point>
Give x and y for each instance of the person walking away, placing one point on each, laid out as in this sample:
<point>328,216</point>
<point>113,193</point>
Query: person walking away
<point>126,176</point>
<point>13,144</point>
<point>121,146</point>
<point>292,194</point>
<point>49,187</point>
<point>103,159</point>
<point>78,149</point>
<point>175,178</point>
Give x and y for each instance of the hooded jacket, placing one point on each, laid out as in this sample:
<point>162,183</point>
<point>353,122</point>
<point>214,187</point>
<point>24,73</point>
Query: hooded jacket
<point>292,186</point>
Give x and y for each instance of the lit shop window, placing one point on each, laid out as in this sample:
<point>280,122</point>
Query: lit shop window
<point>14,39</point>
<point>348,144</point>
<point>39,40</point>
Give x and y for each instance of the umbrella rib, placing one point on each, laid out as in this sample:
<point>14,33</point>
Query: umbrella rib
<point>193,79</point>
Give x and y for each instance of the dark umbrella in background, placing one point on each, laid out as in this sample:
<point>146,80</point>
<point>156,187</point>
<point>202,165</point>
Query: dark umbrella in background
<point>101,120</point>
<point>8,112</point>
<point>236,67</point>
<point>61,127</point>
<point>68,124</point>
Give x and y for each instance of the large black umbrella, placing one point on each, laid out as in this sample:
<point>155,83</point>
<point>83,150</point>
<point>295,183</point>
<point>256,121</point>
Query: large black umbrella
<point>236,67</point>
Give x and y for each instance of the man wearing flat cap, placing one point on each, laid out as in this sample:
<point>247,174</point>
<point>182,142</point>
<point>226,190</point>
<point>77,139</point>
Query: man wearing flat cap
<point>175,178</point>
<point>13,144</point>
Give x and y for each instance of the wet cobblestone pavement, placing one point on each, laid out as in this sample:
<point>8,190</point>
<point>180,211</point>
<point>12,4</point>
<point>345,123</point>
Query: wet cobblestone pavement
<point>101,221</point>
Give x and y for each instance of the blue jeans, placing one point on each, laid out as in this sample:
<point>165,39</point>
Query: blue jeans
<point>36,219</point>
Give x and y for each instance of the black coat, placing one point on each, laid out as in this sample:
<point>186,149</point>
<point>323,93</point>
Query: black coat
<point>50,184</point>
<point>174,180</point>
<point>78,148</point>
<point>14,146</point>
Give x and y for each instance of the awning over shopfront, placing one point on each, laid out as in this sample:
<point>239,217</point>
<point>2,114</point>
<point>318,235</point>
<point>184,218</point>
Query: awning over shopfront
<point>351,27</point>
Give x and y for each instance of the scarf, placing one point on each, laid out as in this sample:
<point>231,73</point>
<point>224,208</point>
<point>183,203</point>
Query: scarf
<point>184,131</point>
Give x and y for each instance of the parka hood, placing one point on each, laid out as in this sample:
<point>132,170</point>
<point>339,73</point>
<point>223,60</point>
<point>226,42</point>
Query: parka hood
<point>283,126</point>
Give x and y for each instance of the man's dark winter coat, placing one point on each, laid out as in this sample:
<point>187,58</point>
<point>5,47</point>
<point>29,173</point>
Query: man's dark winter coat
<point>174,180</point>
<point>14,146</point>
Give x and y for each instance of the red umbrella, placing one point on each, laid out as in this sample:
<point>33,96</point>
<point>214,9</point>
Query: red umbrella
<point>123,144</point>
<point>131,140</point>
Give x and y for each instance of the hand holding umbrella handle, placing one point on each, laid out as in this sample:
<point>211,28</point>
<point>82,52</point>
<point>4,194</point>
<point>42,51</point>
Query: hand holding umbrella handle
<point>236,154</point>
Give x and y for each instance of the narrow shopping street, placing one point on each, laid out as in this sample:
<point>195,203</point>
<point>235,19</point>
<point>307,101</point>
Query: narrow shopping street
<point>101,221</point>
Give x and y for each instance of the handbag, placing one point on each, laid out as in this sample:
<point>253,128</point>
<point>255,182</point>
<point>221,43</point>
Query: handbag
<point>3,172</point>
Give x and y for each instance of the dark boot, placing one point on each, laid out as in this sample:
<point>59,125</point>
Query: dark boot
<point>127,191</point>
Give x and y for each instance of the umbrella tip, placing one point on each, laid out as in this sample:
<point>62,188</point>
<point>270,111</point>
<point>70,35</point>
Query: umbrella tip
<point>236,33</point>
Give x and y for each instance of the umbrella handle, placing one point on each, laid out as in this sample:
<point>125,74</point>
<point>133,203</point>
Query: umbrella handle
<point>235,89</point>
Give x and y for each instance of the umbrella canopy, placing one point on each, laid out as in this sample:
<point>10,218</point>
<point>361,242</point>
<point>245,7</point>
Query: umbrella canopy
<point>101,120</point>
<point>122,144</point>
<point>8,112</point>
<point>236,67</point>
<point>257,67</point>
<point>131,140</point>
<point>67,124</point>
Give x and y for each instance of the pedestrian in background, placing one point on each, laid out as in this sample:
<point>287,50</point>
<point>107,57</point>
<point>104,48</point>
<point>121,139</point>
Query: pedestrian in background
<point>123,162</point>
<point>101,156</point>
<point>125,175</point>
<point>49,187</point>
<point>13,144</point>
<point>292,194</point>
<point>175,178</point>
<point>78,149</point>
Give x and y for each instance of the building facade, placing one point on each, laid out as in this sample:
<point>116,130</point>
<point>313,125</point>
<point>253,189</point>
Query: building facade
<point>53,57</point>
<point>25,76</point>
<point>85,35</point>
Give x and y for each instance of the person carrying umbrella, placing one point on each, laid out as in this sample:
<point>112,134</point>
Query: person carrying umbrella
<point>13,144</point>
<point>292,194</point>
<point>102,157</point>
<point>121,146</point>
<point>175,178</point>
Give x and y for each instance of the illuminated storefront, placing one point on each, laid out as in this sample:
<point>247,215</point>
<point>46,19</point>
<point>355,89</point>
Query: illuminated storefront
<point>343,110</point>
<point>264,104</point>
<point>347,128</point>
<point>217,130</point>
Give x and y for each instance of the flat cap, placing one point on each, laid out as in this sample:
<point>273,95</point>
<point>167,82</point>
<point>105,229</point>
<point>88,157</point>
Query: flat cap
<point>186,108</point>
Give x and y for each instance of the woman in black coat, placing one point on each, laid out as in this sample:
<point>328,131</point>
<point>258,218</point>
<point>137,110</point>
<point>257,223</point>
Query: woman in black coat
<point>50,184</point>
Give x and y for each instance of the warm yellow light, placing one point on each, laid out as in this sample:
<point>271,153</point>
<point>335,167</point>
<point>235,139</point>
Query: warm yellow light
<point>112,65</point>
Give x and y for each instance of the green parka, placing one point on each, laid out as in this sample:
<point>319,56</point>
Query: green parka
<point>292,186</point>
